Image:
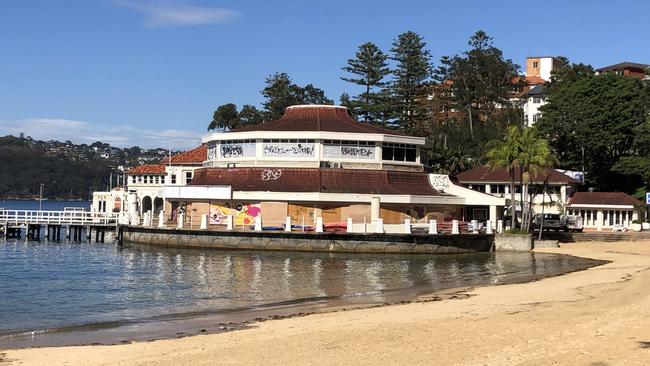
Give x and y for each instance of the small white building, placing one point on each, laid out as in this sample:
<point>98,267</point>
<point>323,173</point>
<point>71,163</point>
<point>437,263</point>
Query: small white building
<point>110,201</point>
<point>497,182</point>
<point>603,210</point>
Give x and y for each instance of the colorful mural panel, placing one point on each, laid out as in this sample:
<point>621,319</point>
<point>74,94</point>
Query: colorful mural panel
<point>244,213</point>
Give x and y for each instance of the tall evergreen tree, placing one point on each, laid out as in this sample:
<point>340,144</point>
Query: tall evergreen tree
<point>249,115</point>
<point>225,118</point>
<point>369,68</point>
<point>345,101</point>
<point>408,89</point>
<point>280,92</point>
<point>309,94</point>
<point>481,80</point>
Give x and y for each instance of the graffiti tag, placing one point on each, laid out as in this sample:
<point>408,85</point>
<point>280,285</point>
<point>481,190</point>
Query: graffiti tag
<point>357,151</point>
<point>232,151</point>
<point>297,150</point>
<point>271,174</point>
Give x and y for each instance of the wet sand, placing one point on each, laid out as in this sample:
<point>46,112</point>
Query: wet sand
<point>600,316</point>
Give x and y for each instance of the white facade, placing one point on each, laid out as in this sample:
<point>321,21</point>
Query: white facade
<point>604,217</point>
<point>545,67</point>
<point>314,149</point>
<point>112,201</point>
<point>552,202</point>
<point>531,105</point>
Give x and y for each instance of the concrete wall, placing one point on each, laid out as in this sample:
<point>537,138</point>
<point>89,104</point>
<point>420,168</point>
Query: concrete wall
<point>513,242</point>
<point>325,242</point>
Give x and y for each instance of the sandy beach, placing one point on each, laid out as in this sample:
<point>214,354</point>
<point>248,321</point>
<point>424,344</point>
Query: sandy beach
<point>600,316</point>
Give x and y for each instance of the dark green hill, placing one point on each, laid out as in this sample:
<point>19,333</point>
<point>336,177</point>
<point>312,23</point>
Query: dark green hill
<point>67,170</point>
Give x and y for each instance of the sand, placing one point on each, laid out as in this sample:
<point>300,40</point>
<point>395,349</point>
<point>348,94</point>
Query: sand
<point>600,316</point>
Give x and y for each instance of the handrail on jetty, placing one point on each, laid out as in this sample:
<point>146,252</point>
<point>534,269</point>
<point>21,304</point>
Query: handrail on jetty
<point>36,217</point>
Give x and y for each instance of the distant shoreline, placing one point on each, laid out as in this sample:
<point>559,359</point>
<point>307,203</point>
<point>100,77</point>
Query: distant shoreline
<point>57,199</point>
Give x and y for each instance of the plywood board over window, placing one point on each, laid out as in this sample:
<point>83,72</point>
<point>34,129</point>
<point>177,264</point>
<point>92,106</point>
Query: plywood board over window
<point>331,214</point>
<point>273,213</point>
<point>356,212</point>
<point>391,216</point>
<point>299,212</point>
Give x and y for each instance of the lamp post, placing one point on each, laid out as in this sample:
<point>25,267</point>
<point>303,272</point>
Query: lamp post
<point>40,197</point>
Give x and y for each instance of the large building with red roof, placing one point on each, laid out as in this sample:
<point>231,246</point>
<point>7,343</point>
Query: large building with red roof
<point>315,161</point>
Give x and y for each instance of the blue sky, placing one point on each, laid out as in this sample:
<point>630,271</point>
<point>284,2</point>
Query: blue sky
<point>152,72</point>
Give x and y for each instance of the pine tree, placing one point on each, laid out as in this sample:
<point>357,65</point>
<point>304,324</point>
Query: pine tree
<point>408,89</point>
<point>370,67</point>
<point>345,101</point>
<point>280,92</point>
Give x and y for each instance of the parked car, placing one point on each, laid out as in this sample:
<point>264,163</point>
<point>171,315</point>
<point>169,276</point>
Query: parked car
<point>573,223</point>
<point>550,222</point>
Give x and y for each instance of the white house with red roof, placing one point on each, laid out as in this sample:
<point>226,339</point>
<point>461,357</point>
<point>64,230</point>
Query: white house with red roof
<point>497,182</point>
<point>145,184</point>
<point>604,210</point>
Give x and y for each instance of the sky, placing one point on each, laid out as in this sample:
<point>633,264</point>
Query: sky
<point>151,73</point>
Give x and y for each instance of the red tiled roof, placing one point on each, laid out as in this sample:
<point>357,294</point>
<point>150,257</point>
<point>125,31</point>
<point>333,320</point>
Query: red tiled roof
<point>485,174</point>
<point>195,156</point>
<point>317,180</point>
<point>153,169</point>
<point>318,118</point>
<point>534,80</point>
<point>603,198</point>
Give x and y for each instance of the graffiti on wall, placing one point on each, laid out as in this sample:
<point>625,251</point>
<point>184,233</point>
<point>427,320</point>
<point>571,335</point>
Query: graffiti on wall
<point>231,151</point>
<point>243,213</point>
<point>237,150</point>
<point>349,151</point>
<point>357,152</point>
<point>289,149</point>
<point>271,174</point>
<point>212,152</point>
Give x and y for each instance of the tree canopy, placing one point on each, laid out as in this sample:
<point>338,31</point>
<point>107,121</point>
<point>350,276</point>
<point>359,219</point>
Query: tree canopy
<point>590,121</point>
<point>368,69</point>
<point>410,75</point>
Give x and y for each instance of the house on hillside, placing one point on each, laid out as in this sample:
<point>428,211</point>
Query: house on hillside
<point>533,96</point>
<point>631,69</point>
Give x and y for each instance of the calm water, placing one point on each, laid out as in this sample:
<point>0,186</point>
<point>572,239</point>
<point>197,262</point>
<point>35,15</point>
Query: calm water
<point>47,205</point>
<point>50,285</point>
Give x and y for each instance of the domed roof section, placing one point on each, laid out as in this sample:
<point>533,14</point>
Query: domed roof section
<point>314,117</point>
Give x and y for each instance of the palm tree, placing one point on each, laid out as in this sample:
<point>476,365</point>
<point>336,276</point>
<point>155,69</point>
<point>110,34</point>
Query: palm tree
<point>505,154</point>
<point>534,155</point>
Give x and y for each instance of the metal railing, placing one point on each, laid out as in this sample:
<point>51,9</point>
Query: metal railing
<point>33,217</point>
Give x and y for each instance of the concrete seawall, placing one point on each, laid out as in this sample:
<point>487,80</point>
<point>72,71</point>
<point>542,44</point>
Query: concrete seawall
<point>301,241</point>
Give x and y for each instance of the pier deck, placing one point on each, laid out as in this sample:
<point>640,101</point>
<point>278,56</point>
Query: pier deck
<point>12,222</point>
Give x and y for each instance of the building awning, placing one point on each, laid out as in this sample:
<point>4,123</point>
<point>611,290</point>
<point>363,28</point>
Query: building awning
<point>216,192</point>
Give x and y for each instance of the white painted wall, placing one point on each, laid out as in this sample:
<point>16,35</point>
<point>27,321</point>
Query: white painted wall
<point>531,109</point>
<point>545,68</point>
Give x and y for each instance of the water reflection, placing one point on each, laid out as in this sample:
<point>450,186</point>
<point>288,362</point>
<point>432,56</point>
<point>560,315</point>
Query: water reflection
<point>47,285</point>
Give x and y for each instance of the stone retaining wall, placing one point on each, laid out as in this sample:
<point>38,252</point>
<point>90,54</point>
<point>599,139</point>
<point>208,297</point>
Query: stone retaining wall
<point>300,241</point>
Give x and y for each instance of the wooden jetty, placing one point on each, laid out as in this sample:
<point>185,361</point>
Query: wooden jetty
<point>74,223</point>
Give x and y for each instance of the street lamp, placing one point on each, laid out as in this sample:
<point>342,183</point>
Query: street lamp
<point>40,198</point>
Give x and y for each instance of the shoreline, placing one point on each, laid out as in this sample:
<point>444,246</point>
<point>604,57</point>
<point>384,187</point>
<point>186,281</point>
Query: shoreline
<point>180,325</point>
<point>537,315</point>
